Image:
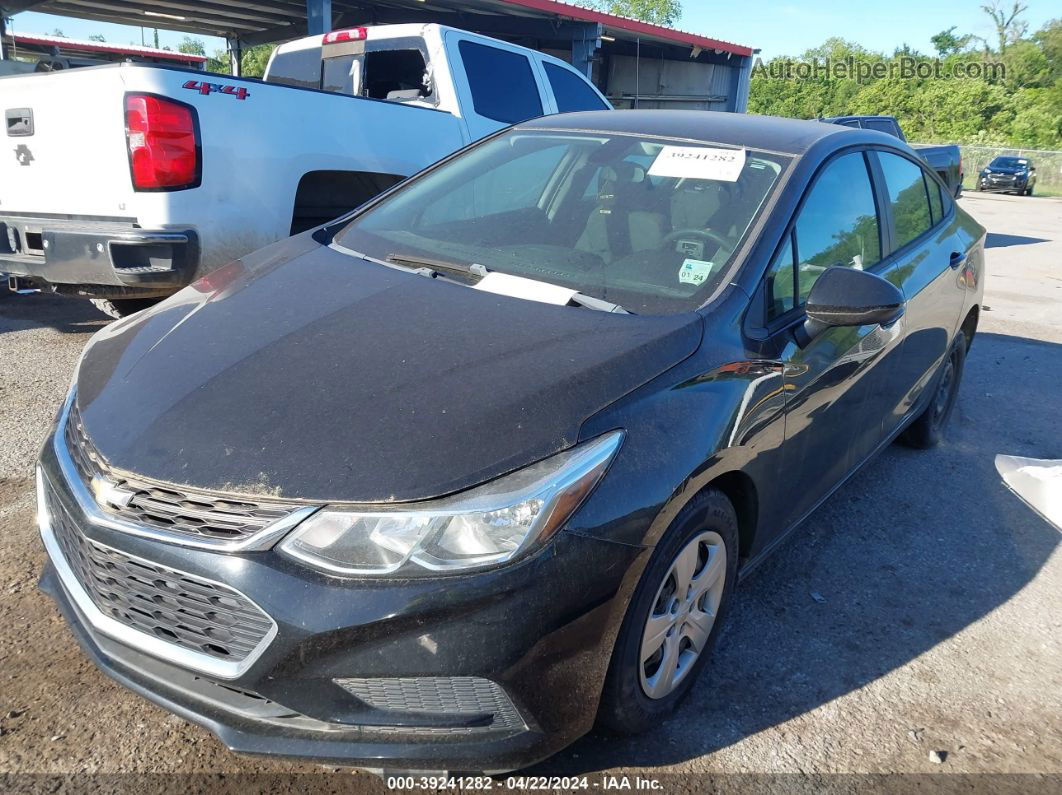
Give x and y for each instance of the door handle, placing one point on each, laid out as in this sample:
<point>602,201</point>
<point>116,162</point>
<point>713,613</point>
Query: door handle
<point>957,259</point>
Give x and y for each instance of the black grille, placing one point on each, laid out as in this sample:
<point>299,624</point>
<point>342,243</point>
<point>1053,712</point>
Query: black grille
<point>177,607</point>
<point>440,695</point>
<point>166,507</point>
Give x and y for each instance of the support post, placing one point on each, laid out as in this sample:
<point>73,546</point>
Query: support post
<point>740,100</point>
<point>318,16</point>
<point>586,41</point>
<point>3,32</point>
<point>235,57</point>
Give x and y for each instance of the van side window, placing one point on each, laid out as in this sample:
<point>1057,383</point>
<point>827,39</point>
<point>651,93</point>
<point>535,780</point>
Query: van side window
<point>571,91</point>
<point>502,83</point>
<point>906,186</point>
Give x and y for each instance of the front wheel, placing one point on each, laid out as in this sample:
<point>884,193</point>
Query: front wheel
<point>674,617</point>
<point>928,430</point>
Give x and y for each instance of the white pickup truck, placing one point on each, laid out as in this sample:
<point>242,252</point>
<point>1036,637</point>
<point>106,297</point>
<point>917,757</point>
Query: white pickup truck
<point>123,183</point>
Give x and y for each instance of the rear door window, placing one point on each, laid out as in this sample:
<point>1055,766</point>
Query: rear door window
<point>936,203</point>
<point>571,91</point>
<point>502,83</point>
<point>906,186</point>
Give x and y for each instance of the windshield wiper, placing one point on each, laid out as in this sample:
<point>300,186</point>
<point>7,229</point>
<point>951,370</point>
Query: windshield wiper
<point>599,304</point>
<point>433,266</point>
<point>429,266</point>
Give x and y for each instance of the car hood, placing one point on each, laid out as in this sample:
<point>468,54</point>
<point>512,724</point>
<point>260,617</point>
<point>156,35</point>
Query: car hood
<point>311,374</point>
<point>1004,170</point>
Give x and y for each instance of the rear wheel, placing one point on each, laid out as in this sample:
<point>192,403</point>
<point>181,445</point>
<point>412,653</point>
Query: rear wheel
<point>122,307</point>
<point>674,617</point>
<point>928,430</point>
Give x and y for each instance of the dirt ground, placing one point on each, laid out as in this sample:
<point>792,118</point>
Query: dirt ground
<point>912,626</point>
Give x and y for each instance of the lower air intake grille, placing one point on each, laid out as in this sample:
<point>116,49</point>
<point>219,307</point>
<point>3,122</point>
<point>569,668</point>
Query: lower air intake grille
<point>171,605</point>
<point>440,695</point>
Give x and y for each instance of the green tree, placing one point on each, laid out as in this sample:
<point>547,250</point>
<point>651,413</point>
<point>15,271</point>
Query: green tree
<point>1022,108</point>
<point>1008,27</point>
<point>190,46</point>
<point>948,43</point>
<point>252,63</point>
<point>219,63</point>
<point>254,60</point>
<point>657,12</point>
<point>97,37</point>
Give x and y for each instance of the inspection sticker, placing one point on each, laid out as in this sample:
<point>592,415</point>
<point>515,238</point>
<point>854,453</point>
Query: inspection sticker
<point>695,271</point>
<point>699,162</point>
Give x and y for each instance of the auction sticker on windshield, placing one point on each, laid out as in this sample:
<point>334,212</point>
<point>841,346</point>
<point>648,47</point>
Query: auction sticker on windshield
<point>695,271</point>
<point>699,162</point>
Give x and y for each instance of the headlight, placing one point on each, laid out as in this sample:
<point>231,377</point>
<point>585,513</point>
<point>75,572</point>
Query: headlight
<point>489,525</point>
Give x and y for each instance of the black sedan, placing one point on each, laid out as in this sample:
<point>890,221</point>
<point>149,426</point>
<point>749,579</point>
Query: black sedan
<point>1008,175</point>
<point>443,484</point>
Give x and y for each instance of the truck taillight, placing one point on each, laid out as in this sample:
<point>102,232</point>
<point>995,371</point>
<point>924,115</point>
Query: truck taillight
<point>350,34</point>
<point>163,138</point>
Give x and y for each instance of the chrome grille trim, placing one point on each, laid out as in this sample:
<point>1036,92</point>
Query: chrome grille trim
<point>124,633</point>
<point>263,538</point>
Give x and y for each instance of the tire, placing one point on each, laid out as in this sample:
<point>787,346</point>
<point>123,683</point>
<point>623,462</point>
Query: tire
<point>708,525</point>
<point>928,430</point>
<point>122,307</point>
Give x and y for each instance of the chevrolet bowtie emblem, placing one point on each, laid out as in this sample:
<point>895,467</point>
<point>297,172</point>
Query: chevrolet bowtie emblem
<point>110,494</point>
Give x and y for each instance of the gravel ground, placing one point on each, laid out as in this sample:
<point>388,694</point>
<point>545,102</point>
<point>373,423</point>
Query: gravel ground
<point>912,626</point>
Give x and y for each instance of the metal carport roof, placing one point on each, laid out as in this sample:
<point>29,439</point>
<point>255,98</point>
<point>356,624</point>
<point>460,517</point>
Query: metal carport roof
<point>256,21</point>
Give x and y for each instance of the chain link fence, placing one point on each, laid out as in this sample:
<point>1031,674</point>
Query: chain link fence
<point>1048,165</point>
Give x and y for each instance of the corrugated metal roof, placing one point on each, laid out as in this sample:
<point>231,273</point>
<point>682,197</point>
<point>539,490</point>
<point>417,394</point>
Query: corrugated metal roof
<point>64,43</point>
<point>617,23</point>
<point>287,18</point>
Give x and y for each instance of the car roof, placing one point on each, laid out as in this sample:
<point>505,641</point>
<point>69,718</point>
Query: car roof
<point>792,136</point>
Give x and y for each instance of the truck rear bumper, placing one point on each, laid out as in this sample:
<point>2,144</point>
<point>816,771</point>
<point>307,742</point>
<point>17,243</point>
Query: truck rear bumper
<point>97,253</point>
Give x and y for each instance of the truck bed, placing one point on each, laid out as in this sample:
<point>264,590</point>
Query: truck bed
<point>258,140</point>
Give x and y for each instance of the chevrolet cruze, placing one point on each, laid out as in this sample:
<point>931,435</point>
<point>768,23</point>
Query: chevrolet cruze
<point>447,482</point>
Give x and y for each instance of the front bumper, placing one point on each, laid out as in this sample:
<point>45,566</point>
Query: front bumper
<point>115,255</point>
<point>542,630</point>
<point>1003,183</point>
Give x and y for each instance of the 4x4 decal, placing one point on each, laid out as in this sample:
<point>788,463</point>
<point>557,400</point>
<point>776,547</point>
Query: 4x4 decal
<point>206,88</point>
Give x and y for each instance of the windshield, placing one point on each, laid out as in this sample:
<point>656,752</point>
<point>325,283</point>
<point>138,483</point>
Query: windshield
<point>647,224</point>
<point>1008,162</point>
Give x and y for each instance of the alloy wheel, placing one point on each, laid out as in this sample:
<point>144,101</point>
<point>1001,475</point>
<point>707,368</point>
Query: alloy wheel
<point>683,613</point>
<point>942,402</point>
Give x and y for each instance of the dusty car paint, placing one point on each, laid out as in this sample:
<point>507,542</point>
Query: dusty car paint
<point>158,395</point>
<point>718,397</point>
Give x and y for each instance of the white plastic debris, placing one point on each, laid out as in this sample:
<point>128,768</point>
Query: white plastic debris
<point>1037,481</point>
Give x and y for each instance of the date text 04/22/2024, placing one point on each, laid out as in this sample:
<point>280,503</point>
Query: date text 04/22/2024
<point>524,783</point>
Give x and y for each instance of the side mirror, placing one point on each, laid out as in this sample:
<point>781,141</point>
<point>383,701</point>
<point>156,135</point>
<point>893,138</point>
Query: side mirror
<point>848,297</point>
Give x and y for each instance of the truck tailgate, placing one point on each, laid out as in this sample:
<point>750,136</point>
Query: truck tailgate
<point>65,144</point>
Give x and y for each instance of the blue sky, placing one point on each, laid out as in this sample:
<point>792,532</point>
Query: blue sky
<point>778,27</point>
<point>785,27</point>
<point>32,22</point>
